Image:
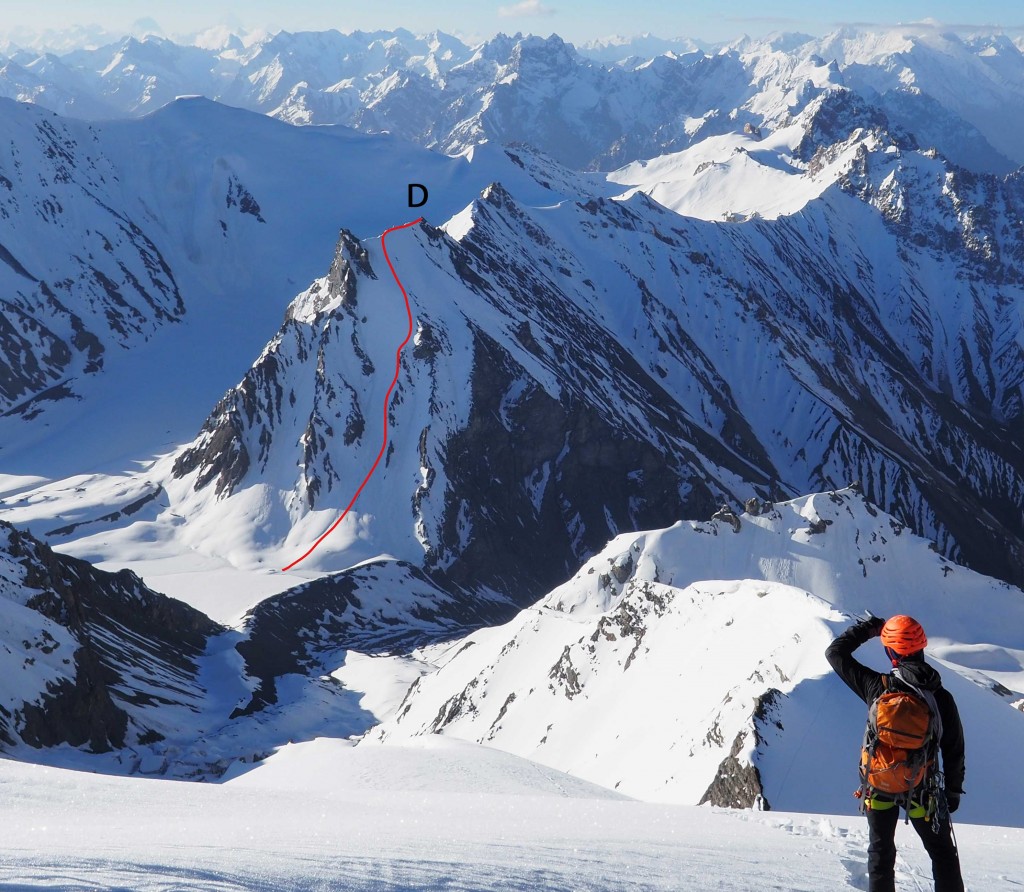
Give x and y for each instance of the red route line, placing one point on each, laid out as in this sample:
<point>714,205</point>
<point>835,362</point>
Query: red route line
<point>387,398</point>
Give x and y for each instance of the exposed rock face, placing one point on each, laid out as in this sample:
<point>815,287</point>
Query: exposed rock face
<point>738,782</point>
<point>104,649</point>
<point>727,515</point>
<point>840,113</point>
<point>588,476</point>
<point>80,713</point>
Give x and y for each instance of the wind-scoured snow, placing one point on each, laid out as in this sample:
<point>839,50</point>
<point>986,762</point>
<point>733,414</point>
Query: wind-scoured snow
<point>734,177</point>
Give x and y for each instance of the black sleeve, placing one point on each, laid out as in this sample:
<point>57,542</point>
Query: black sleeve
<point>865,683</point>
<point>952,743</point>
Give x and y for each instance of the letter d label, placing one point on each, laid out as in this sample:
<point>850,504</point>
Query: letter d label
<point>413,203</point>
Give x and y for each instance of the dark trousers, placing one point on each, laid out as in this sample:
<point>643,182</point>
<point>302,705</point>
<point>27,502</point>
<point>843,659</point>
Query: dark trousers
<point>882,852</point>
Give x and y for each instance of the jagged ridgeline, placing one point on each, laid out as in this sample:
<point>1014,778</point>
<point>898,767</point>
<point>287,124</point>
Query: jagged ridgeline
<point>589,106</point>
<point>687,664</point>
<point>607,365</point>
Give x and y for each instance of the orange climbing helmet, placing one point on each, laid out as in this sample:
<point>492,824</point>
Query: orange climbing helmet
<point>903,635</point>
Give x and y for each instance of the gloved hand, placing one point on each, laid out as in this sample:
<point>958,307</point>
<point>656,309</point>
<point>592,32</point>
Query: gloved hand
<point>952,801</point>
<point>874,624</point>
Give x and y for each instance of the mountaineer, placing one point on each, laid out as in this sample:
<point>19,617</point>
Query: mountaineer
<point>912,721</point>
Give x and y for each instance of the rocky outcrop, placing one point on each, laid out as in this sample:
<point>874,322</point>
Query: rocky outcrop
<point>79,713</point>
<point>738,781</point>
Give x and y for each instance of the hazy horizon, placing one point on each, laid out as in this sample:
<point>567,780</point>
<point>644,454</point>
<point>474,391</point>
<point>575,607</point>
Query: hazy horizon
<point>573,20</point>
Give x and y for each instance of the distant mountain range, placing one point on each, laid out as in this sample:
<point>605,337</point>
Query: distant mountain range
<point>602,105</point>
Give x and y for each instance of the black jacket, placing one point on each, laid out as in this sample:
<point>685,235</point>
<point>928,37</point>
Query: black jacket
<point>867,684</point>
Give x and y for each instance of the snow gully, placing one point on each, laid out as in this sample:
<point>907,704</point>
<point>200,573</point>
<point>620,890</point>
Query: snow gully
<point>387,397</point>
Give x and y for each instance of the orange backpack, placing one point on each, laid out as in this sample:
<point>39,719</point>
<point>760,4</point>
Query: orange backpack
<point>901,741</point>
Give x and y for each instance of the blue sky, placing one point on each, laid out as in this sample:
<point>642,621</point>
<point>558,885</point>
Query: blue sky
<point>575,20</point>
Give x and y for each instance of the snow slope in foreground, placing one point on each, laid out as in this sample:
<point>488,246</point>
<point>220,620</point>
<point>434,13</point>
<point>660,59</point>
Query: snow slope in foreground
<point>432,815</point>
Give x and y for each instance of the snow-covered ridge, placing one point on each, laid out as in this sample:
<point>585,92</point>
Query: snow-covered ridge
<point>677,665</point>
<point>131,249</point>
<point>687,664</point>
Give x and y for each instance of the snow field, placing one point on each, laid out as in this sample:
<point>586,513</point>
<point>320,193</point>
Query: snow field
<point>433,815</point>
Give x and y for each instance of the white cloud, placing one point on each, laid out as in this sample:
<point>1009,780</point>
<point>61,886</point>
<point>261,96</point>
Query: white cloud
<point>526,7</point>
